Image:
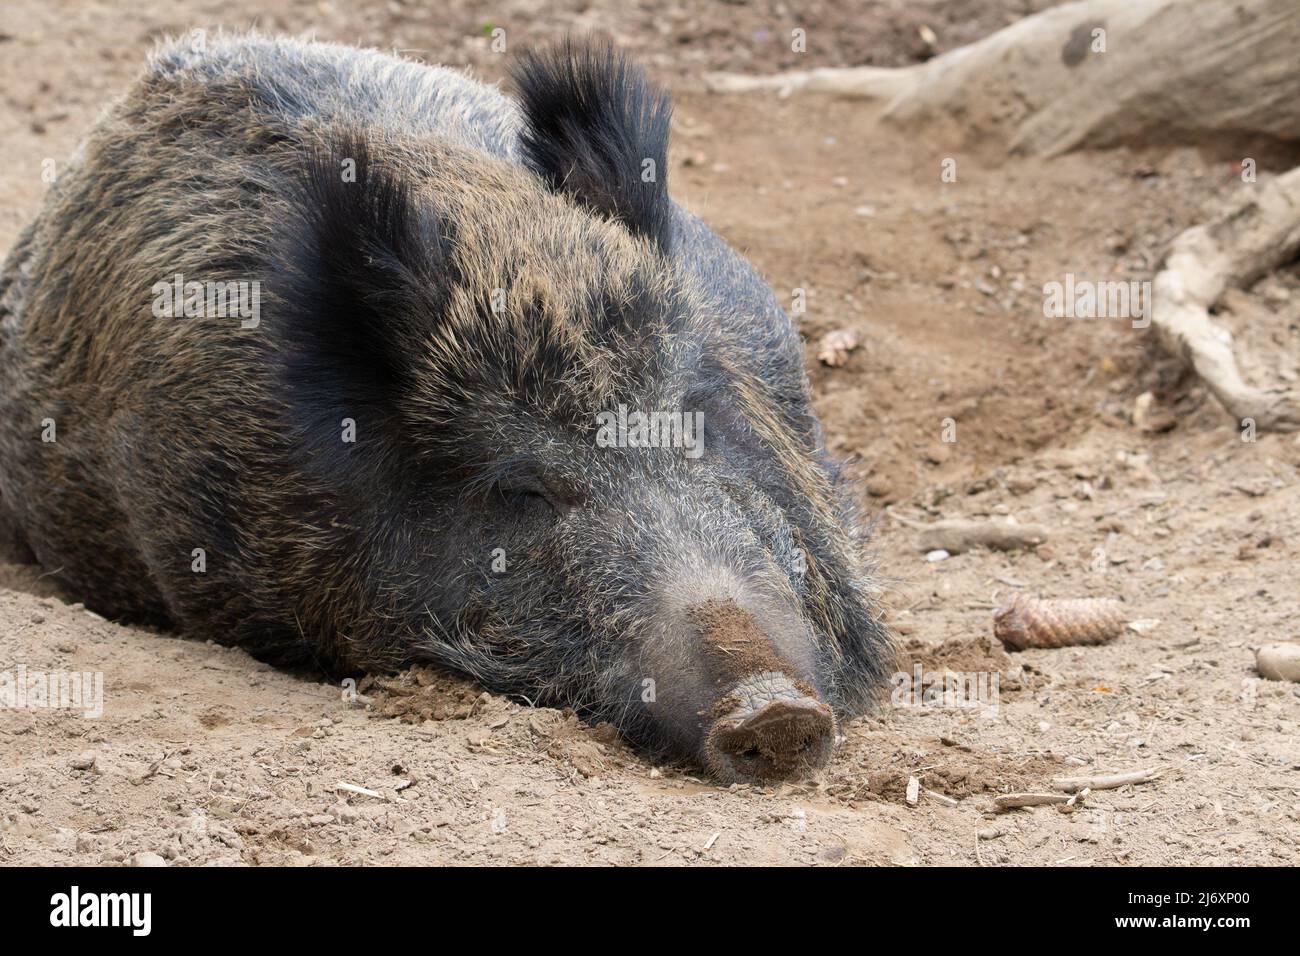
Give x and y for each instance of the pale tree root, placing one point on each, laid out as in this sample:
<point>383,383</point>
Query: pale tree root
<point>1256,235</point>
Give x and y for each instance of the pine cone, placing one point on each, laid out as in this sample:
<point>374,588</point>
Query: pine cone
<point>1028,622</point>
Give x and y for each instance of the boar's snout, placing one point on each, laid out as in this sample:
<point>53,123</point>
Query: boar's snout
<point>741,691</point>
<point>771,730</point>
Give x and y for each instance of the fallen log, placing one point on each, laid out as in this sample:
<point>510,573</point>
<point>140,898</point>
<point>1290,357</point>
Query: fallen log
<point>1095,73</point>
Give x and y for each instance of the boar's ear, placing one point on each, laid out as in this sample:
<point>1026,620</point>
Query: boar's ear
<point>597,130</point>
<point>358,277</point>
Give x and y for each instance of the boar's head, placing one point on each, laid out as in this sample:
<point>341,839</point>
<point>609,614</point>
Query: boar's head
<point>586,457</point>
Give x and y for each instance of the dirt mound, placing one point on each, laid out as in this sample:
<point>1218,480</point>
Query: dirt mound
<point>956,654</point>
<point>423,693</point>
<point>426,694</point>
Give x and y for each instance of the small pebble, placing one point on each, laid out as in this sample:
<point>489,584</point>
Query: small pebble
<point>83,761</point>
<point>344,813</point>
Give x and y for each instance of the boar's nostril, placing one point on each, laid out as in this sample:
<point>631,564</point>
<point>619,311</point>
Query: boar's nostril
<point>781,738</point>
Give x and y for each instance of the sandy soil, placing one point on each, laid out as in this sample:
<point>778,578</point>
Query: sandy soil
<point>204,756</point>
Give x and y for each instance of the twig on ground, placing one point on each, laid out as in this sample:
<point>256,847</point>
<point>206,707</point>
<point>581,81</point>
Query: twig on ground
<point>1104,782</point>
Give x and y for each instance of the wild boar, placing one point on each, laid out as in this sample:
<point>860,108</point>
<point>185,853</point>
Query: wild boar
<point>356,362</point>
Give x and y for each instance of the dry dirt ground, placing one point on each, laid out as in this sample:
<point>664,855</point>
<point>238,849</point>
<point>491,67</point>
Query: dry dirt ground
<point>204,756</point>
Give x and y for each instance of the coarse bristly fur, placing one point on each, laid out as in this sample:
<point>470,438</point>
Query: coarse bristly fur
<point>463,282</point>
